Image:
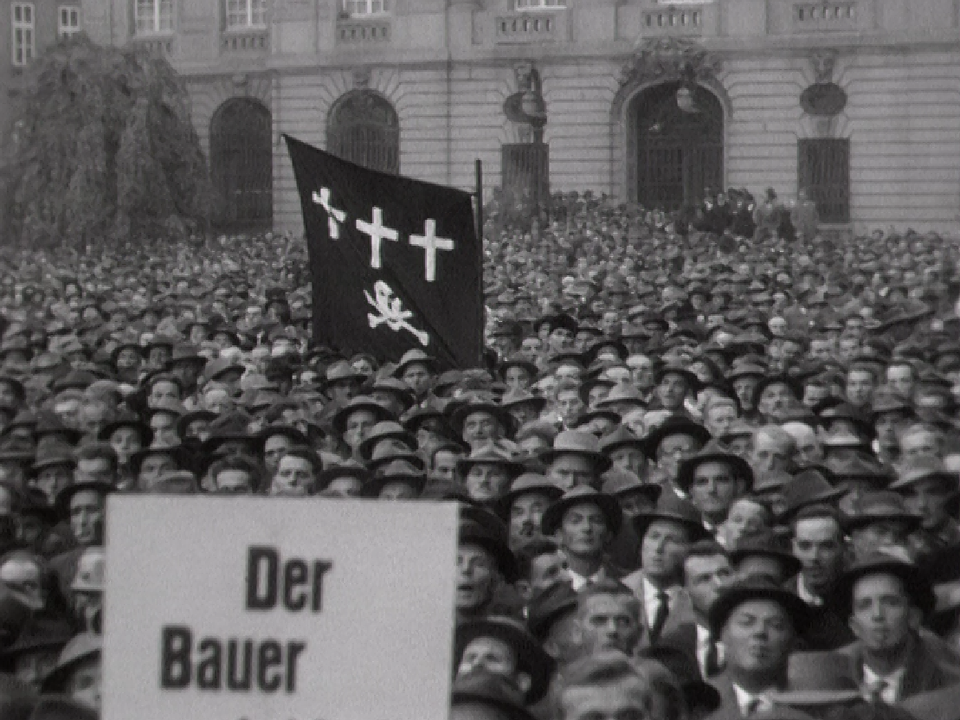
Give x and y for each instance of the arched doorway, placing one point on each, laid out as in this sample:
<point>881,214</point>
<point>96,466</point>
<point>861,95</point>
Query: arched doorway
<point>678,153</point>
<point>241,162</point>
<point>364,129</point>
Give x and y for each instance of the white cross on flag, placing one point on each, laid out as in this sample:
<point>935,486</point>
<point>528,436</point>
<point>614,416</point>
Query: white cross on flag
<point>395,262</point>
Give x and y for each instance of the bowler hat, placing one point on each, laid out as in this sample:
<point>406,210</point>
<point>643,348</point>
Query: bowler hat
<point>621,437</point>
<point>916,581</point>
<point>675,509</point>
<point>531,658</point>
<point>859,467</point>
<point>776,379</point>
<point>575,442</point>
<point>693,381</point>
<point>341,371</point>
<point>582,495</point>
<point>520,361</point>
<point>713,452</point>
<point>735,595</point>
<point>515,398</point>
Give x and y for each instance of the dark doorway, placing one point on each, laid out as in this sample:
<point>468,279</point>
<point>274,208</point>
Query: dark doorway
<point>241,163</point>
<point>679,153</point>
<point>364,129</point>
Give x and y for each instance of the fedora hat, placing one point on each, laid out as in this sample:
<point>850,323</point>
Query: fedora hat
<point>582,495</point>
<point>415,356</point>
<point>347,468</point>
<point>622,394</point>
<point>384,455</point>
<point>520,361</point>
<point>395,471</point>
<point>683,667</point>
<point>670,368</point>
<point>924,468</point>
<point>818,678</point>
<point>340,371</point>
<point>386,430</point>
<point>879,507</point>
<point>473,405</point>
<point>360,402</point>
<point>491,535</point>
<point>548,606</point>
<point>813,486</point>
<point>515,398</point>
<point>531,658</point>
<point>766,381</point>
<point>177,452</point>
<point>713,452</point>
<point>916,581</point>
<point>756,589</point>
<point>672,507</point>
<point>621,437</point>
<point>675,425</point>
<point>620,482</point>
<point>482,688</point>
<point>859,467</point>
<point>126,419</point>
<point>528,483</point>
<point>490,454</point>
<point>765,544</point>
<point>576,442</point>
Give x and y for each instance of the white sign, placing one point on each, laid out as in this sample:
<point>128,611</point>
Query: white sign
<point>278,609</point>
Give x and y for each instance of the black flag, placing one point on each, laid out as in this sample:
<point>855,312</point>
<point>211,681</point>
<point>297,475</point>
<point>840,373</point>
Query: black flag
<point>395,262</point>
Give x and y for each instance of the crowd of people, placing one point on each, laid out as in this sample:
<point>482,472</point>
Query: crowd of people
<point>702,472</point>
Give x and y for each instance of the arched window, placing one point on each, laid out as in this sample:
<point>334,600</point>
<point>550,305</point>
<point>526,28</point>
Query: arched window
<point>364,129</point>
<point>241,162</point>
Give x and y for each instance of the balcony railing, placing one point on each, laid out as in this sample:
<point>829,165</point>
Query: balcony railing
<point>527,28</point>
<point>245,41</point>
<point>817,16</point>
<point>158,45</point>
<point>363,32</point>
<point>671,20</point>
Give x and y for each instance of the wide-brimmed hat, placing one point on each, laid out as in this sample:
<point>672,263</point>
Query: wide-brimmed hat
<point>490,454</point>
<point>526,484</point>
<point>582,495</point>
<point>548,606</point>
<point>675,509</point>
<point>818,678</point>
<point>491,537</point>
<point>482,405</point>
<point>51,451</point>
<point>338,372</point>
<point>675,425</point>
<point>879,507</point>
<point>780,378</point>
<point>360,402</point>
<point>859,467</point>
<point>576,442</point>
<point>693,381</point>
<point>347,468</point>
<point>516,398</point>
<point>682,665</point>
<point>177,452</point>
<point>126,419</point>
<point>531,658</point>
<point>765,544</point>
<point>395,471</point>
<point>622,393</point>
<point>415,356</point>
<point>915,580</point>
<point>735,595</point>
<point>233,426</point>
<point>81,647</point>
<point>520,361</point>
<point>713,452</point>
<point>620,483</point>
<point>813,486</point>
<point>621,437</point>
<point>493,690</point>
<point>924,468</point>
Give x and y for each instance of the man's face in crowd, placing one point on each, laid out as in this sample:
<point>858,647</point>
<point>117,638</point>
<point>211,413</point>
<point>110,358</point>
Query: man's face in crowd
<point>901,379</point>
<point>879,534</point>
<point>883,617</point>
<point>480,428</point>
<point>610,622</point>
<point>491,655</point>
<point>526,512</point>
<point>720,417</point>
<point>629,458</point>
<point>818,545</point>
<point>758,638</point>
<point>569,470</point>
<point>486,481</point>
<point>860,386</point>
<point>743,387</point>
<point>888,426</point>
<point>928,498</point>
<point>809,450</point>
<point>68,410</point>
<point>152,467</point>
<point>273,449</point>
<point>775,401</point>
<point>673,450</point>
<point>769,454</point>
<point>476,577</point>
<point>163,390</point>
<point>54,478</point>
<point>445,465</point>
<point>919,444</point>
<point>821,349</point>
<point>234,482</point>
<point>358,426</point>
<point>627,700</point>
<point>8,395</point>
<point>97,469</point>
<point>560,339</point>
<point>584,531</point>
<point>418,377</point>
<point>642,369</point>
<point>12,474</point>
<point>530,347</point>
<point>517,378</point>
<point>671,390</point>
<point>704,576</point>
<point>86,517</point>
<point>295,476</point>
<point>125,441</point>
<point>714,489</point>
<point>663,550</point>
<point>849,346</point>
<point>745,520</point>
<point>164,428</point>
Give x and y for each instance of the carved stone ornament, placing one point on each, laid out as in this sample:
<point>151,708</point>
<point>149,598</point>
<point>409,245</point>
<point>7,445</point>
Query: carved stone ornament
<point>824,62</point>
<point>666,59</point>
<point>361,78</point>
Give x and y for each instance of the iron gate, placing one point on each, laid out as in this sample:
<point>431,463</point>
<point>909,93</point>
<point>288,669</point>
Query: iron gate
<point>364,129</point>
<point>679,154</point>
<point>241,162</point>
<point>823,169</point>
<point>522,165</point>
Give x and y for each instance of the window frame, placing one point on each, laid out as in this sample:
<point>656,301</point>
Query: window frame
<point>540,5</point>
<point>27,30</point>
<point>64,31</point>
<point>155,30</point>
<point>348,8</point>
<point>250,14</point>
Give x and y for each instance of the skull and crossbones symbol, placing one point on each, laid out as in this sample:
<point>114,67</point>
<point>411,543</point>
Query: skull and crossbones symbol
<point>391,312</point>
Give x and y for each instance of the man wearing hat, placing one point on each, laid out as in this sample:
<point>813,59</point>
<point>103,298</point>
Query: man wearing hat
<point>714,479</point>
<point>586,522</point>
<point>479,422</point>
<point>485,696</point>
<point>930,491</point>
<point>665,533</point>
<point>484,563</point>
<point>523,506</point>
<point>575,459</point>
<point>487,472</point>
<point>887,598</point>
<point>674,383</point>
<point>672,442</point>
<point>608,614</point>
<point>419,371</point>
<point>758,623</point>
<point>503,646</point>
<point>879,520</point>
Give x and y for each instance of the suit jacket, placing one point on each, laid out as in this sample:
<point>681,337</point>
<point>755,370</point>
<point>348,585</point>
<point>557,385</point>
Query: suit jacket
<point>684,637</point>
<point>681,609</point>
<point>729,707</point>
<point>923,672</point>
<point>827,630</point>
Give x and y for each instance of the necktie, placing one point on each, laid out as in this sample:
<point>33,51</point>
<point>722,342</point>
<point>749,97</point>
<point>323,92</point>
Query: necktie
<point>875,691</point>
<point>752,708</point>
<point>660,616</point>
<point>711,663</point>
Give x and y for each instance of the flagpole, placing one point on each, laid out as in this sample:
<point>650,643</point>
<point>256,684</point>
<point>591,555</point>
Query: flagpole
<point>478,166</point>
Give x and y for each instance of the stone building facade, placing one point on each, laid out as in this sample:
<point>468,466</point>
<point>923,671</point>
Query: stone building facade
<point>856,100</point>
